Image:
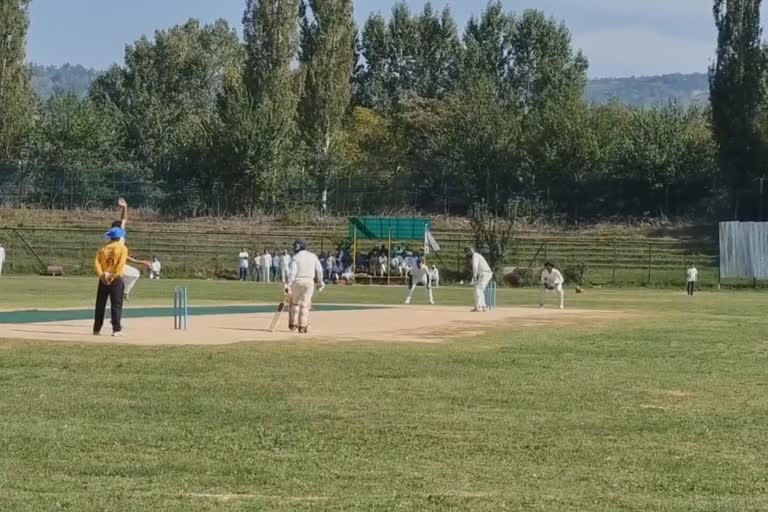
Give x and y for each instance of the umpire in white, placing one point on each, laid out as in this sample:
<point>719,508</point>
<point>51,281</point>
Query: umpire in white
<point>305,271</point>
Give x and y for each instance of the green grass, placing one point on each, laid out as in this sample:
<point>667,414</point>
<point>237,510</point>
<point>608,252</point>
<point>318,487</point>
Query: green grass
<point>666,411</point>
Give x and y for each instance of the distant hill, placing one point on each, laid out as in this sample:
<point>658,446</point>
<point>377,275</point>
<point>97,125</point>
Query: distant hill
<point>66,78</point>
<point>650,90</point>
<point>637,91</point>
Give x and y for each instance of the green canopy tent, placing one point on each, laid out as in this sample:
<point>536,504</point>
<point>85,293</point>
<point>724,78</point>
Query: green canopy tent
<point>388,228</point>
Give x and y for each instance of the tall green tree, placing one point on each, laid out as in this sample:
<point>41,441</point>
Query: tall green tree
<point>486,40</point>
<point>737,93</point>
<point>438,53</point>
<point>327,54</point>
<point>271,33</point>
<point>17,100</point>
<point>409,57</point>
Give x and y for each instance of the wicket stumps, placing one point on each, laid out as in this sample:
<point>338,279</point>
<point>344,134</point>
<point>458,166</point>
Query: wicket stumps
<point>180,309</point>
<point>490,296</point>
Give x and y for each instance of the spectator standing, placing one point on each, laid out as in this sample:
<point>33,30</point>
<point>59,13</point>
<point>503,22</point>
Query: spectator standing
<point>383,263</point>
<point>275,265</point>
<point>285,266</point>
<point>266,266</point>
<point>243,257</point>
<point>330,262</point>
<point>257,266</point>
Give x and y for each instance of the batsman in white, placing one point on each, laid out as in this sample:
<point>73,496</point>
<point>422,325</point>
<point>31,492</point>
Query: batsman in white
<point>420,275</point>
<point>481,276</point>
<point>305,271</point>
<point>553,281</point>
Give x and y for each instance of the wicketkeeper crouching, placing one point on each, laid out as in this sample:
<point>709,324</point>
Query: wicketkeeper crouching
<point>553,281</point>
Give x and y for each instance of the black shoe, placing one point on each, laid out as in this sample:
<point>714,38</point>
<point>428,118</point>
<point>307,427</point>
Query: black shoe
<point>303,330</point>
<point>293,328</point>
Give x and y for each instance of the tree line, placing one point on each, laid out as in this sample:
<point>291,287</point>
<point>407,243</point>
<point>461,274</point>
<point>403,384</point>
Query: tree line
<point>310,112</point>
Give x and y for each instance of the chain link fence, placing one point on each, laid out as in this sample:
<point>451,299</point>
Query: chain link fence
<point>591,261</point>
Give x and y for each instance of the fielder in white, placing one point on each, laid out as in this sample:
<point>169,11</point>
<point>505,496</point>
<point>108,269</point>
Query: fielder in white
<point>420,275</point>
<point>553,281</point>
<point>154,269</point>
<point>305,271</point>
<point>2,259</point>
<point>481,276</point>
<point>435,276</point>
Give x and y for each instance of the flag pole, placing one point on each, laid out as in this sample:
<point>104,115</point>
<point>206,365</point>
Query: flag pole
<point>389,258</point>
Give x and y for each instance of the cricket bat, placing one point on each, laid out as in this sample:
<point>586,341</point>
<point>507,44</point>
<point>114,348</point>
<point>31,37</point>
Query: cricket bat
<point>278,314</point>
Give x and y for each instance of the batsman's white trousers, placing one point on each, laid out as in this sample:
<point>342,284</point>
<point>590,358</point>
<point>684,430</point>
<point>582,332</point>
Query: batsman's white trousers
<point>558,290</point>
<point>302,291</point>
<point>132,275</point>
<point>480,285</point>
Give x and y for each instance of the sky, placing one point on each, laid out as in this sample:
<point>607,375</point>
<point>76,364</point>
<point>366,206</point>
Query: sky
<point>619,37</point>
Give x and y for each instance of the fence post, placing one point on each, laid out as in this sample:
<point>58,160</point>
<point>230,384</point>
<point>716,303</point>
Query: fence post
<point>614,261</point>
<point>649,263</point>
<point>546,258</point>
<point>458,258</point>
<point>185,261</point>
<point>82,256</point>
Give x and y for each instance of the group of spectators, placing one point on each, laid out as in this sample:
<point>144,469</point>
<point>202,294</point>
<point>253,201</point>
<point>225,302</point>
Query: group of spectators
<point>379,262</point>
<point>273,266</point>
<point>266,267</point>
<point>337,267</point>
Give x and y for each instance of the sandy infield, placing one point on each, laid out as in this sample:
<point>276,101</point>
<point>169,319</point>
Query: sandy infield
<point>414,324</point>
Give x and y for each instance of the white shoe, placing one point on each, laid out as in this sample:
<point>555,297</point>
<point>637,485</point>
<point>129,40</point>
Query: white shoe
<point>407,302</point>
<point>475,310</point>
<point>562,307</point>
<point>118,334</point>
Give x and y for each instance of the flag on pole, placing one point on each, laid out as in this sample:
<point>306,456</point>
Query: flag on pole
<point>430,244</point>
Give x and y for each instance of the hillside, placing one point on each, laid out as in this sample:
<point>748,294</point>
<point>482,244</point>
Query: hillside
<point>637,91</point>
<point>650,90</point>
<point>67,78</point>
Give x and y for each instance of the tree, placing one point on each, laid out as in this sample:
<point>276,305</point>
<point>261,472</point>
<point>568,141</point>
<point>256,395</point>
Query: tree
<point>737,93</point>
<point>438,53</point>
<point>327,53</point>
<point>17,100</point>
<point>271,42</point>
<point>494,231</point>
<point>411,56</point>
<point>487,42</point>
<point>165,96</point>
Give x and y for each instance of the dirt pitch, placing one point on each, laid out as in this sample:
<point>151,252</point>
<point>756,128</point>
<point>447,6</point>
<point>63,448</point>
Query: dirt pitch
<point>416,324</point>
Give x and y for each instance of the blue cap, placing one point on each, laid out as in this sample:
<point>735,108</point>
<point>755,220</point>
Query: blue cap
<point>115,233</point>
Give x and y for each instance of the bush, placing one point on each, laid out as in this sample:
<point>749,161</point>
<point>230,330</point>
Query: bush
<point>519,277</point>
<point>574,273</point>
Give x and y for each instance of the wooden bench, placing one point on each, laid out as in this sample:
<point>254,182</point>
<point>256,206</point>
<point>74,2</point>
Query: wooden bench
<point>54,270</point>
<point>398,279</point>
